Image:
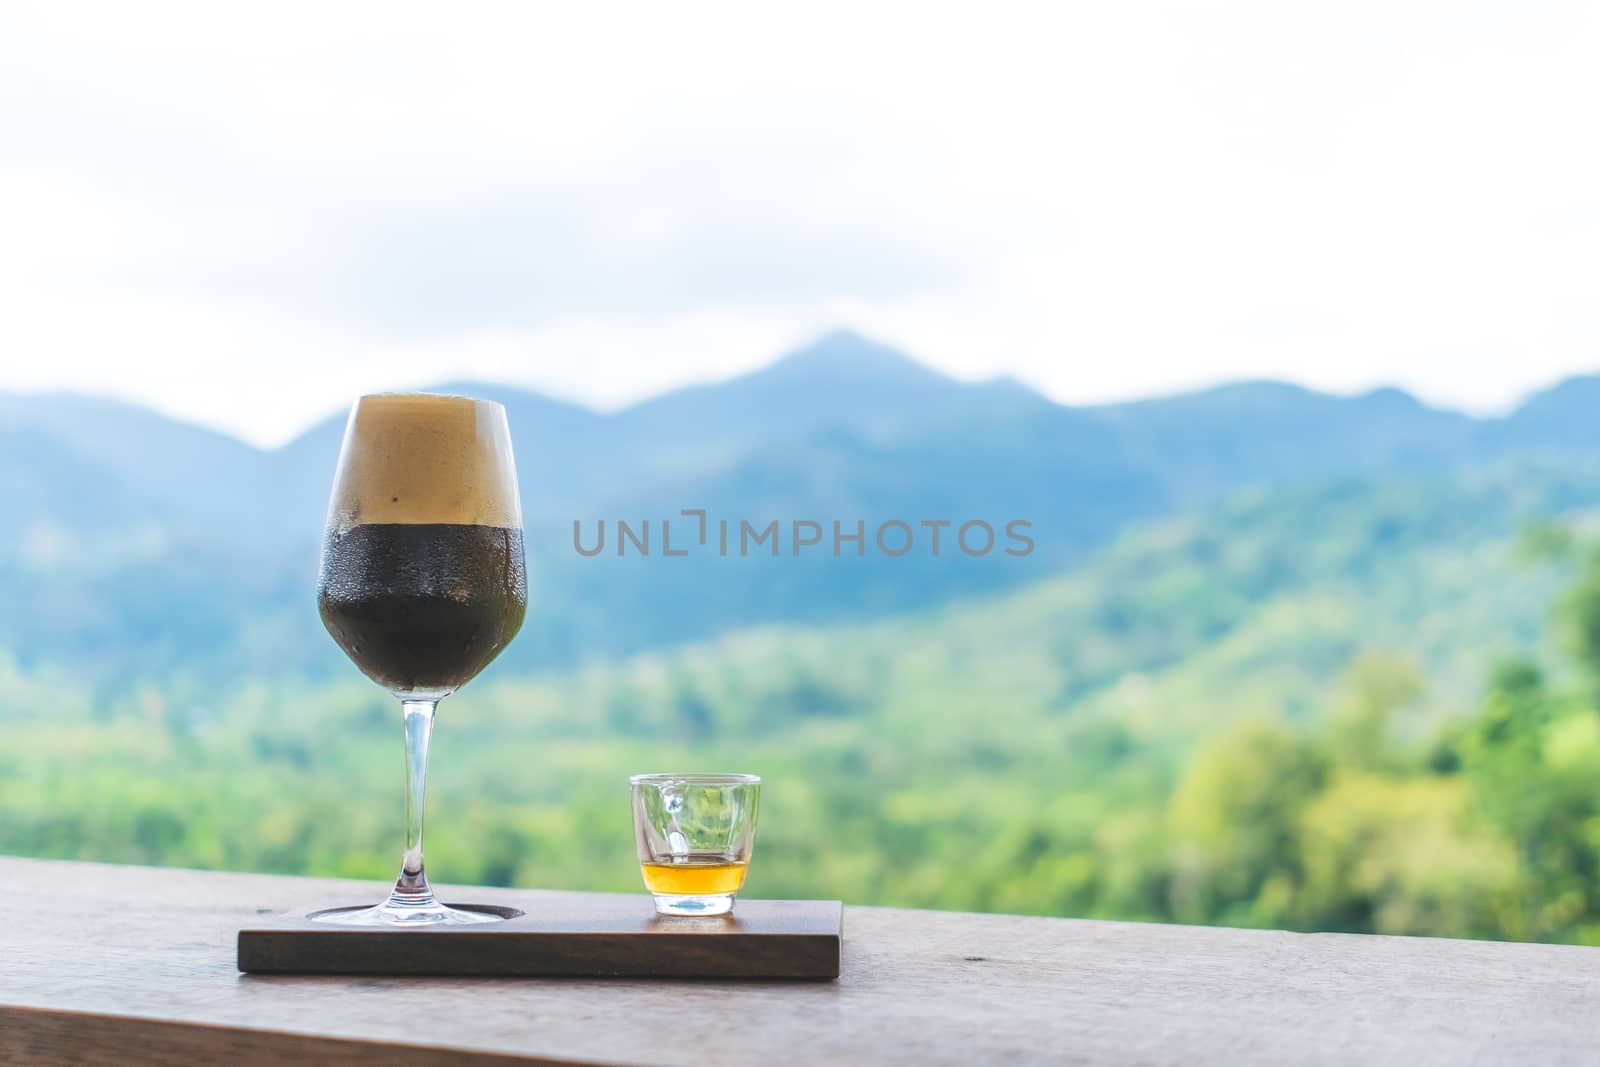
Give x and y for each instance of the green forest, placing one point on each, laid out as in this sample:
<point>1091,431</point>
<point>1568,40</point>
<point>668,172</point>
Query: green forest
<point>1364,707</point>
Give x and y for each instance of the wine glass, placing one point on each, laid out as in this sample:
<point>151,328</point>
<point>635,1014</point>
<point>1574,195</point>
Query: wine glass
<point>422,582</point>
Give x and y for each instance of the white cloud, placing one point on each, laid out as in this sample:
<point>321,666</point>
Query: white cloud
<point>247,218</point>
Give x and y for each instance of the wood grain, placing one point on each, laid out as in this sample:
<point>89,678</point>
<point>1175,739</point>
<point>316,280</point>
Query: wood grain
<point>590,935</point>
<point>135,948</point>
<point>71,1039</point>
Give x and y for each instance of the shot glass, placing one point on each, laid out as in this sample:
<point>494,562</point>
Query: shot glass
<point>694,834</point>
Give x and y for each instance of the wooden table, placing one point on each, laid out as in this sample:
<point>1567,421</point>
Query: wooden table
<point>127,965</point>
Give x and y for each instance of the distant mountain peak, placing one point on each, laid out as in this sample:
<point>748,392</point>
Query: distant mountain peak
<point>848,353</point>
<point>1394,398</point>
<point>1580,388</point>
<point>1559,416</point>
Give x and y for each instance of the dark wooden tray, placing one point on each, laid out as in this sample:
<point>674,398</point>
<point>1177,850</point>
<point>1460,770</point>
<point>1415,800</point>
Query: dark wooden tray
<point>599,936</point>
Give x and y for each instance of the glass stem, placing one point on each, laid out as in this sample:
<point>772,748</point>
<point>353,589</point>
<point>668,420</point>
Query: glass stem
<point>411,889</point>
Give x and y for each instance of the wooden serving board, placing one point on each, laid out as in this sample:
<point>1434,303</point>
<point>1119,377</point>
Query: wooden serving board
<point>589,936</point>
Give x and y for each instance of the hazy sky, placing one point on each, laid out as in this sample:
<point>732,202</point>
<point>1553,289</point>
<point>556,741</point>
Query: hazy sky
<point>247,218</point>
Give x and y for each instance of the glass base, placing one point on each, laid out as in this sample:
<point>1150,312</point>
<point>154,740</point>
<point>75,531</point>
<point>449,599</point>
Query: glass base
<point>393,913</point>
<point>693,903</point>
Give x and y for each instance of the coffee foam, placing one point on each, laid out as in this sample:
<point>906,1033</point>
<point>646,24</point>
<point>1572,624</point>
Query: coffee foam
<point>417,458</point>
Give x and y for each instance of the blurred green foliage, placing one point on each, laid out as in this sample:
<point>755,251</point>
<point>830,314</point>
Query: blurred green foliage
<point>1311,717</point>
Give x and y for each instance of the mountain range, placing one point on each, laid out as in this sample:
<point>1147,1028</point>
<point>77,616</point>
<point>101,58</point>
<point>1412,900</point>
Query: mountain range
<point>132,543</point>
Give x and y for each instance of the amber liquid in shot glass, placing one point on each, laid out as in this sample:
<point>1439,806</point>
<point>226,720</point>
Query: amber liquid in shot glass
<point>694,834</point>
<point>694,877</point>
